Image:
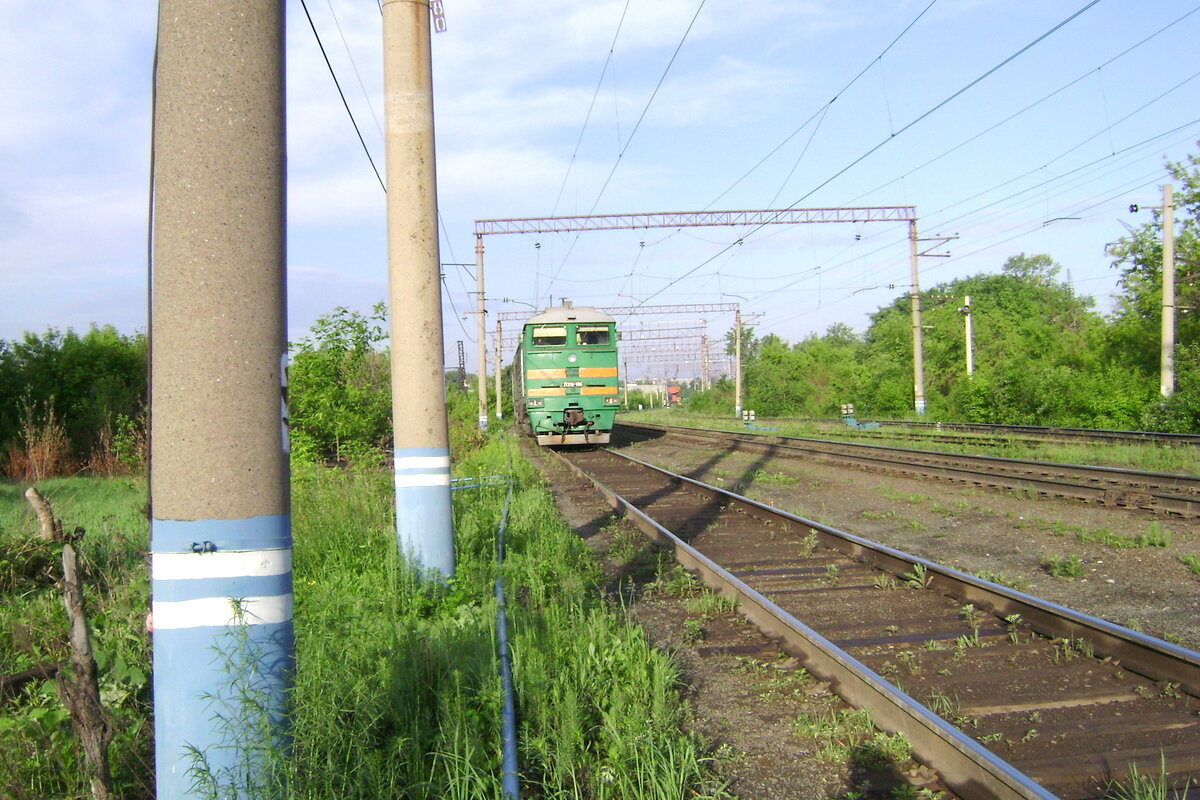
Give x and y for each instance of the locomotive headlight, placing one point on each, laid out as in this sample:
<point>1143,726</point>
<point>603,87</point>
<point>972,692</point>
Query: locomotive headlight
<point>534,404</point>
<point>612,401</point>
<point>572,358</point>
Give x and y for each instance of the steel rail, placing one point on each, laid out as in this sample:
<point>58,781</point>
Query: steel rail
<point>1158,491</point>
<point>1036,432</point>
<point>964,765</point>
<point>1051,432</point>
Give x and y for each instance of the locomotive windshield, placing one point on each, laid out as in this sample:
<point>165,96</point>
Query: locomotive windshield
<point>591,334</point>
<point>549,335</point>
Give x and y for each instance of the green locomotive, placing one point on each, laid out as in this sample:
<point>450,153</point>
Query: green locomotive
<point>565,388</point>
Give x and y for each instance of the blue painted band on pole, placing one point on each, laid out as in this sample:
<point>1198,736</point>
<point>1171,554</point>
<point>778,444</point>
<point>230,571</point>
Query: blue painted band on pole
<point>267,532</point>
<point>223,643</point>
<point>424,526</point>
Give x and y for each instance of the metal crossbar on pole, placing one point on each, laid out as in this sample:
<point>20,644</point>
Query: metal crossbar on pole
<point>756,218</point>
<point>625,311</point>
<point>678,219</point>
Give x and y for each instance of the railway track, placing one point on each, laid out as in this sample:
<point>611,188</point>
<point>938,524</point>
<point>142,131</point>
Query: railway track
<point>1155,491</point>
<point>1005,695</point>
<point>1031,433</point>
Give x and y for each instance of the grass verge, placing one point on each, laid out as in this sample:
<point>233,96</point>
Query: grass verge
<point>418,708</point>
<point>397,691</point>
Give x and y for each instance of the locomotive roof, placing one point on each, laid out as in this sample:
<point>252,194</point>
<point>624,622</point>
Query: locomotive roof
<point>569,313</point>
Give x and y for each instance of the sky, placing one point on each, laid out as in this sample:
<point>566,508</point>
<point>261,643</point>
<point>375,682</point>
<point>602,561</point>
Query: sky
<point>1017,126</point>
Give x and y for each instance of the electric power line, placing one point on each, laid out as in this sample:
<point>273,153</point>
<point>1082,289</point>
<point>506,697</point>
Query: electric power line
<point>342,95</point>
<point>892,137</point>
<point>603,71</point>
<point>632,133</point>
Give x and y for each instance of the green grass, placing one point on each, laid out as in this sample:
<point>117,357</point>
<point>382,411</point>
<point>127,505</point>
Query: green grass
<point>761,476</point>
<point>709,604</point>
<point>1192,562</point>
<point>843,735</point>
<point>1154,537</point>
<point>397,691</point>
<point>1068,566</point>
<point>1147,457</point>
<point>1020,584</point>
<point>599,708</point>
<point>1139,786</point>
<point>40,755</point>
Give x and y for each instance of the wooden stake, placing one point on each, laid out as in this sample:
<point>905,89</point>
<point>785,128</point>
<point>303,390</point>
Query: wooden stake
<point>50,528</point>
<point>79,687</point>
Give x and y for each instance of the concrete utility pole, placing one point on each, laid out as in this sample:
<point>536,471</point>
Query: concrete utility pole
<point>1167,359</point>
<point>966,312</point>
<point>481,354</point>
<point>737,357</point>
<point>918,349</point>
<point>422,443</point>
<point>499,356</point>
<point>220,527</point>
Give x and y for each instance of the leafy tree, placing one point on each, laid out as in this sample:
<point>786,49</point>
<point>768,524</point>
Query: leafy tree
<point>1180,413</point>
<point>811,378</point>
<point>87,381</point>
<point>1137,328</point>
<point>770,380</point>
<point>1040,269</point>
<point>750,343</point>
<point>339,389</point>
<point>715,401</point>
<point>1039,351</point>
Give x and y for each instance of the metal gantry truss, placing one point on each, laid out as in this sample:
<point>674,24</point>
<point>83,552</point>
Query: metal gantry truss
<point>691,219</point>
<point>646,341</point>
<point>681,219</point>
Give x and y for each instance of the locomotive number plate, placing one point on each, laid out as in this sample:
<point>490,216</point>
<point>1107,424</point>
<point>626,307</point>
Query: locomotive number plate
<point>572,384</point>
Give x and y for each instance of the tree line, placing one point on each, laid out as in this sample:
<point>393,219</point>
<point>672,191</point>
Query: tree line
<point>1043,355</point>
<point>71,402</point>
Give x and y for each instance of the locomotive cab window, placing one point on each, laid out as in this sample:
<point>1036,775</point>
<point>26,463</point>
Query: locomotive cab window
<point>549,336</point>
<point>591,334</point>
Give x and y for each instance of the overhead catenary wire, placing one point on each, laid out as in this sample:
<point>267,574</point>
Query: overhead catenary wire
<point>629,140</point>
<point>820,112</point>
<point>354,66</point>
<point>454,308</point>
<point>943,103</point>
<point>587,117</point>
<point>967,215</point>
<point>903,281</point>
<point>926,114</point>
<point>1027,108</point>
<point>1010,234</point>
<point>341,94</point>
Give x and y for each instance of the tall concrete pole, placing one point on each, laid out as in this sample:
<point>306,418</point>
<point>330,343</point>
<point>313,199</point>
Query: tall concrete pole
<point>499,356</point>
<point>966,310</point>
<point>737,362</point>
<point>220,527</point>
<point>422,455</point>
<point>481,353</point>
<point>1167,359</point>
<point>918,350</point>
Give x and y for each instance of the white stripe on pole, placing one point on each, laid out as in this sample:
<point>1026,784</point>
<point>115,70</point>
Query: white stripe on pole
<point>221,564</point>
<point>423,462</point>
<point>222,612</point>
<point>432,479</point>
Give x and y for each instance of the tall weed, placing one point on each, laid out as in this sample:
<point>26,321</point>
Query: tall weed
<point>42,449</point>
